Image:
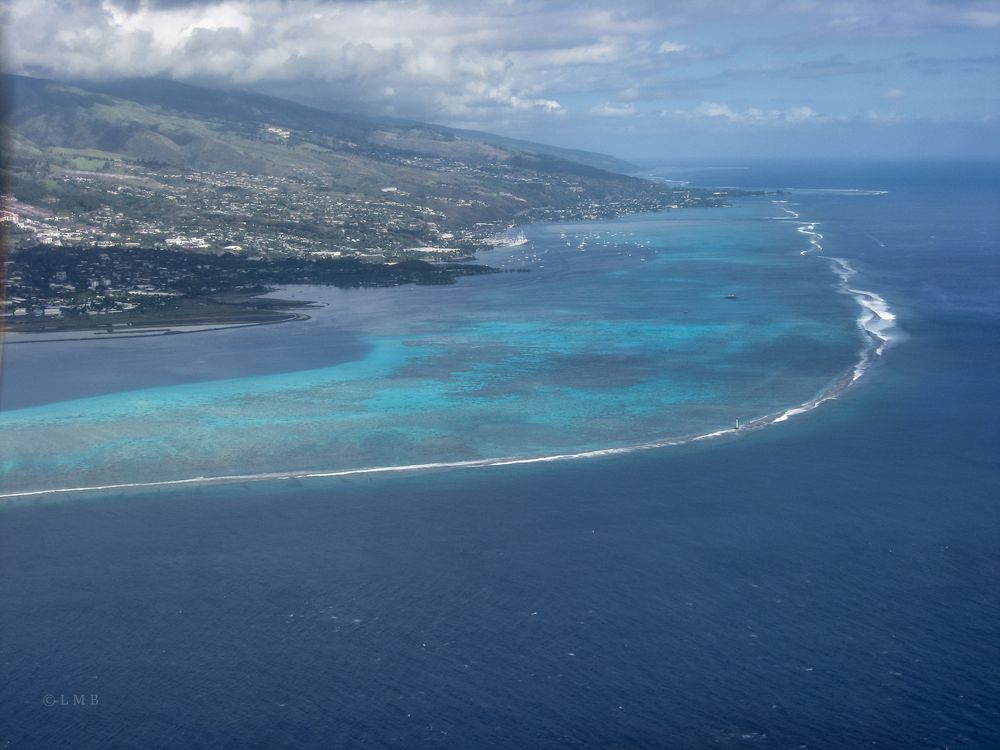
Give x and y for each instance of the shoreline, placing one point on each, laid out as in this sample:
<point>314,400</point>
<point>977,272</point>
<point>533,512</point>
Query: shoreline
<point>165,326</point>
<point>840,385</point>
<point>151,332</point>
<point>875,320</point>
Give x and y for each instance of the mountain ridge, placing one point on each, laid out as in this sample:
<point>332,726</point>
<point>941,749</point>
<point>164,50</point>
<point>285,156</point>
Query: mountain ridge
<point>164,164</point>
<point>184,98</point>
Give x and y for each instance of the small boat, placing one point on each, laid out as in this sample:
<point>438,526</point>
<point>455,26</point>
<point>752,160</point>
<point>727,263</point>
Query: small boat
<point>517,240</point>
<point>506,240</point>
<point>731,296</point>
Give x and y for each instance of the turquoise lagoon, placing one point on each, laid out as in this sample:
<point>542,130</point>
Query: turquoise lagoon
<point>621,335</point>
<point>830,581</point>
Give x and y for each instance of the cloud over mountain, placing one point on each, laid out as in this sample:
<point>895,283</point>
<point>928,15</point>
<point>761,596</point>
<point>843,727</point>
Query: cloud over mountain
<point>521,66</point>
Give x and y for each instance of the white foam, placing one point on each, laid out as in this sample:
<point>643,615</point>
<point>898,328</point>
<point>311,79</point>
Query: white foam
<point>782,204</point>
<point>815,239</point>
<point>876,319</point>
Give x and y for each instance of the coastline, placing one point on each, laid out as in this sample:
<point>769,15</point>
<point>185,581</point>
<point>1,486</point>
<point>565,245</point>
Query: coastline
<point>874,323</point>
<point>247,315</point>
<point>839,386</point>
<point>873,350</point>
<point>746,590</point>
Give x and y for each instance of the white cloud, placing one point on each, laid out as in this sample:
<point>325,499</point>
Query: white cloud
<point>604,52</point>
<point>986,19</point>
<point>515,61</point>
<point>427,59</point>
<point>411,57</point>
<point>667,47</point>
<point>609,109</point>
<point>749,116</point>
<point>483,95</point>
<point>882,118</point>
<point>894,94</point>
<point>799,114</point>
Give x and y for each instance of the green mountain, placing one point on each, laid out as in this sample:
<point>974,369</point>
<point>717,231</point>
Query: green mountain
<point>104,116</point>
<point>155,161</point>
<point>258,108</point>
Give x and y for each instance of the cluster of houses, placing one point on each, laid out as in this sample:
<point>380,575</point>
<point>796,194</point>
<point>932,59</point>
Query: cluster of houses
<point>230,212</point>
<point>91,283</point>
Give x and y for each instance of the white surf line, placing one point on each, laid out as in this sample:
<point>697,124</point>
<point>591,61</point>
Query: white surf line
<point>815,239</point>
<point>749,426</point>
<point>807,228</point>
<point>876,322</point>
<point>404,468</point>
<point>482,463</point>
<point>876,319</point>
<point>333,473</point>
<point>829,394</point>
<point>783,206</point>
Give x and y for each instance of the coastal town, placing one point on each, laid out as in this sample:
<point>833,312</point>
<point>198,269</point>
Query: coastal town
<point>59,287</point>
<point>129,238</point>
<point>125,205</point>
<point>173,195</point>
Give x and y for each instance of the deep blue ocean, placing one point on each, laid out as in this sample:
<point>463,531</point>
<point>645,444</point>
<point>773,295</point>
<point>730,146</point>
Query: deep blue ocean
<point>829,580</point>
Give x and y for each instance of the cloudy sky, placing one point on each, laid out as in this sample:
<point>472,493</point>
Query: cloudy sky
<point>636,78</point>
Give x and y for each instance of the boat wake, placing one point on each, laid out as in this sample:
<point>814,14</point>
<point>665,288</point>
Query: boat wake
<point>876,321</point>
